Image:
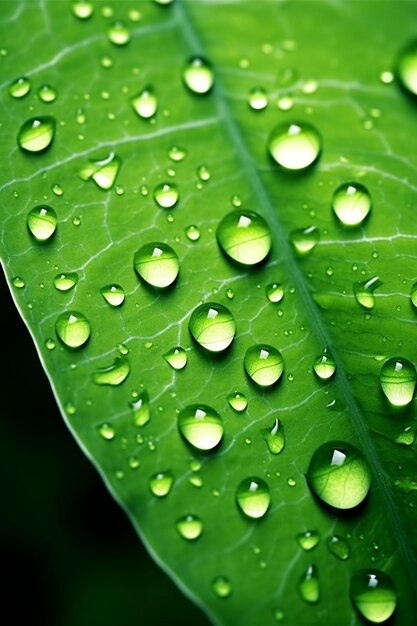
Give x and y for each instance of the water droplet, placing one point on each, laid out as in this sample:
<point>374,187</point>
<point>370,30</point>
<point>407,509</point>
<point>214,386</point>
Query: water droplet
<point>133,462</point>
<point>258,98</point>
<point>275,292</point>
<point>176,357</point>
<point>351,203</point>
<point>196,481</point>
<point>113,374</point>
<point>42,222</point>
<point>106,431</point>
<point>264,364</point>
<point>106,61</point>
<point>47,93</point>
<point>113,294</point>
<point>294,146</point>
<point>308,539</point>
<point>19,87</point>
<point>305,240</point>
<point>102,171</point>
<point>140,409</point>
<point>244,236</point>
<point>57,189</point>
<point>364,291</point>
<point>36,134</point>
<point>373,594</point>
<point>198,75</point>
<point>253,497</point>
<point>50,344</point>
<point>285,103</point>
<point>279,615</point>
<point>201,426</point>
<point>221,586</point>
<point>160,484</point>
<point>398,380</point>
<point>413,295</point>
<point>193,233</point>
<point>308,585</point>
<point>166,195</point>
<point>18,282</point>
<point>406,437</point>
<point>237,401</point>
<point>83,9</point>
<point>157,264</point>
<point>119,34</point>
<point>274,437</point>
<point>203,173</point>
<point>189,527</point>
<point>176,153</point>
<point>163,2</point>
<point>407,67</point>
<point>339,547</point>
<point>386,77</point>
<point>339,474</point>
<point>324,365</point>
<point>212,326</point>
<point>65,281</point>
<point>145,103</point>
<point>73,329</point>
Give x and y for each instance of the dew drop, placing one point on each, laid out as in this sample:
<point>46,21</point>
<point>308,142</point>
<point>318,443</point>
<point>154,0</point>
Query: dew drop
<point>237,401</point>
<point>339,474</point>
<point>264,364</point>
<point>373,594</point>
<point>364,291</point>
<point>18,282</point>
<point>46,93</point>
<point>157,264</point>
<point>406,437</point>
<point>309,586</point>
<point>166,195</point>
<point>274,437</point>
<point>339,547</point>
<point>274,292</point>
<point>119,34</point>
<point>198,75</point>
<point>106,431</point>
<point>160,484</point>
<point>398,378</point>
<point>294,146</point>
<point>140,409</point>
<point>230,294</point>
<point>176,357</point>
<point>83,9</point>
<point>113,294</point>
<point>221,586</point>
<point>203,173</point>
<point>258,98</point>
<point>145,103</point>
<point>351,203</point>
<point>102,171</point>
<point>253,497</point>
<point>407,68</point>
<point>113,374</point>
<point>57,190</point>
<point>42,222</point>
<point>19,87</point>
<point>324,366</point>
<point>192,233</point>
<point>189,527</point>
<point>201,426</point>
<point>65,281</point>
<point>308,539</point>
<point>212,326</point>
<point>176,153</point>
<point>244,236</point>
<point>133,463</point>
<point>73,329</point>
<point>305,240</point>
<point>413,295</point>
<point>163,2</point>
<point>50,344</point>
<point>36,134</point>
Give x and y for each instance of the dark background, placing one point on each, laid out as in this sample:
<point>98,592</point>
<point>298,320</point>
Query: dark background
<point>69,555</point>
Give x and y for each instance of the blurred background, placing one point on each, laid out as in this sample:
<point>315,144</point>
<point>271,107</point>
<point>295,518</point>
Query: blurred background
<point>69,554</point>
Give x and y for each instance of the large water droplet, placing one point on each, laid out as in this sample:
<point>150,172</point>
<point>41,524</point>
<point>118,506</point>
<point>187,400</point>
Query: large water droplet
<point>221,586</point>
<point>189,527</point>
<point>83,9</point>
<point>102,171</point>
<point>294,146</point>
<point>145,103</point>
<point>73,329</point>
<point>113,294</point>
<point>308,539</point>
<point>244,236</point>
<point>157,264</point>
<point>113,374</point>
<point>166,195</point>
<point>309,586</point>
<point>119,34</point>
<point>65,281</point>
<point>258,98</point>
<point>398,380</point>
<point>407,67</point>
<point>339,547</point>
<point>275,292</point>
<point>47,93</point>
<point>373,594</point>
<point>237,401</point>
<point>264,364</point>
<point>253,497</point>
<point>42,222</point>
<point>305,240</point>
<point>364,291</point>
<point>413,295</point>
<point>19,87</point>
<point>140,409</point>
<point>351,203</point>
<point>201,426</point>
<point>274,437</point>
<point>198,75</point>
<point>18,282</point>
<point>160,484</point>
<point>176,357</point>
<point>339,474</point>
<point>36,134</point>
<point>213,326</point>
<point>324,366</point>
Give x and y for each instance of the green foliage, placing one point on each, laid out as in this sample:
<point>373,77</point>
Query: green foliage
<point>118,390</point>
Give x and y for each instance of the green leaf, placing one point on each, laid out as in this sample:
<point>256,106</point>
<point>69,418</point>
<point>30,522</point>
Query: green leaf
<point>322,63</point>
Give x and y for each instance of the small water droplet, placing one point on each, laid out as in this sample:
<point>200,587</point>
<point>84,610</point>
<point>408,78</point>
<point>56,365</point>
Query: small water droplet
<point>253,497</point>
<point>274,292</point>
<point>258,98</point>
<point>285,103</point>
<point>19,87</point>
<point>80,116</point>
<point>386,77</point>
<point>335,405</point>
<point>308,539</point>
<point>102,171</point>
<point>106,431</point>
<point>113,294</point>
<point>163,2</point>
<point>18,282</point>
<point>42,222</point>
<point>305,240</point>
<point>196,481</point>
<point>413,295</point>
<point>213,326</point>
<point>373,594</point>
<point>398,380</point>
<point>83,9</point>
<point>177,153</point>
<point>406,69</point>
<point>113,374</point>
<point>221,586</point>
<point>46,93</point>
<point>145,103</point>
<point>244,236</point>
<point>157,264</point>
<point>294,146</point>
<point>274,437</point>
<point>189,527</point>
<point>324,366</point>
<point>176,357</point>
<point>192,232</point>
<point>65,281</point>
<point>57,190</point>
<point>49,344</point>
<point>166,195</point>
<point>309,586</point>
<point>339,475</point>
<point>203,173</point>
<point>264,364</point>
<point>201,426</point>
<point>73,329</point>
<point>339,547</point>
<point>364,291</point>
<point>140,409</point>
<point>119,34</point>
<point>237,401</point>
<point>351,203</point>
<point>198,75</point>
<point>279,615</point>
<point>406,437</point>
<point>160,484</point>
<point>106,62</point>
<point>36,134</point>
<point>134,462</point>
